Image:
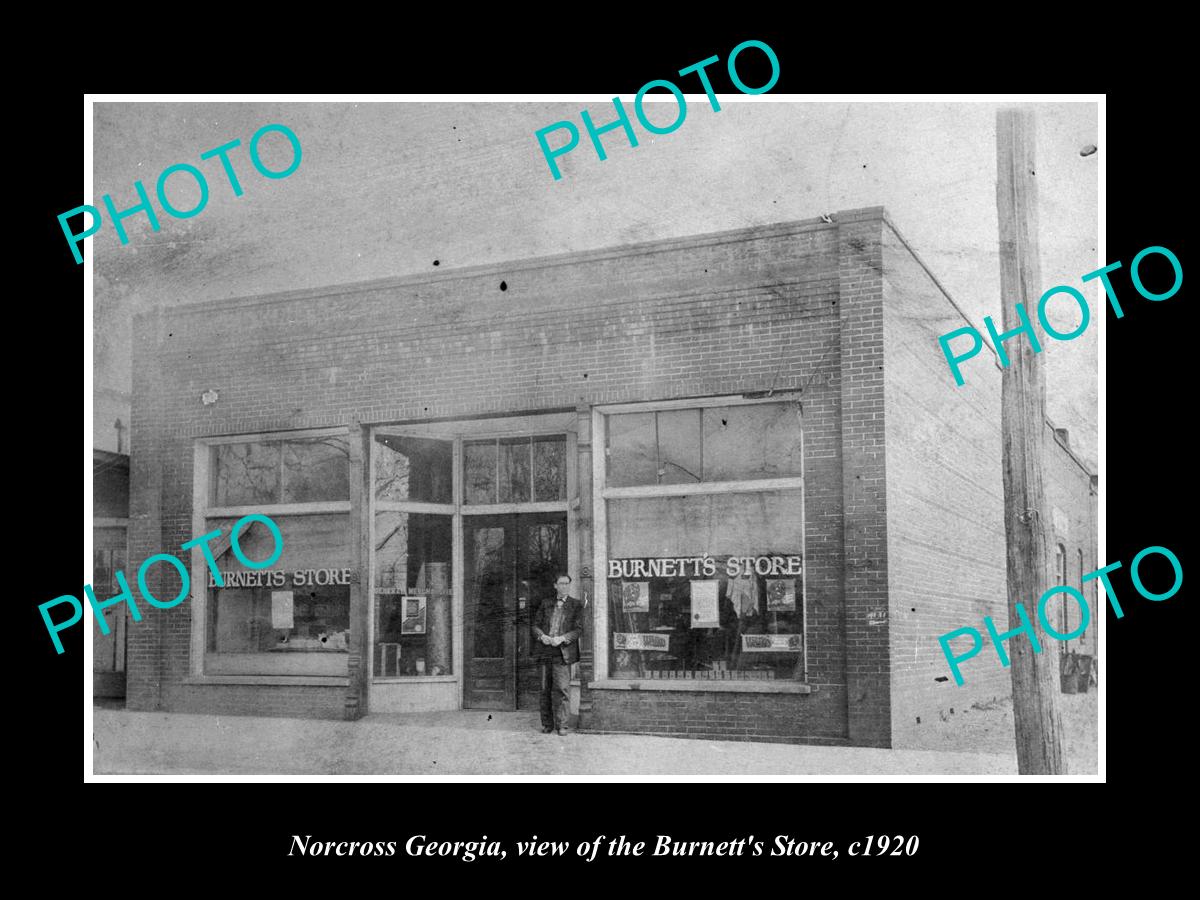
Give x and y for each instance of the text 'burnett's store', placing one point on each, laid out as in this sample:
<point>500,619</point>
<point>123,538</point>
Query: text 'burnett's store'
<point>743,447</point>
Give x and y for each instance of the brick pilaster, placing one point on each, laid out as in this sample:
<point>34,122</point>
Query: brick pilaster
<point>860,305</point>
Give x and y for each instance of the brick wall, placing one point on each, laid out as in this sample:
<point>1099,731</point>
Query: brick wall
<point>864,508</point>
<point>945,509</point>
<point>299,701</point>
<point>817,718</point>
<point>781,308</point>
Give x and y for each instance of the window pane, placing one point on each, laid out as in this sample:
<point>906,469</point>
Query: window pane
<point>316,469</point>
<point>632,450</point>
<point>550,468</point>
<point>103,570</point>
<point>755,441</point>
<point>410,468</point>
<point>679,446</point>
<point>709,523</point>
<point>292,618</point>
<point>514,470</point>
<point>413,591</point>
<point>247,474</point>
<point>479,472</point>
<point>488,588</point>
<point>707,588</point>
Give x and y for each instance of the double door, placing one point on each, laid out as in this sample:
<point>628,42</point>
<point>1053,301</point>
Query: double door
<point>511,562</point>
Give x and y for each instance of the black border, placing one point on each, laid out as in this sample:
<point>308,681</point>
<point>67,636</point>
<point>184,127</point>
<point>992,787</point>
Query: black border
<point>966,830</point>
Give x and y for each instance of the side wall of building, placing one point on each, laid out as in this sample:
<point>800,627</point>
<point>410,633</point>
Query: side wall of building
<point>1071,498</point>
<point>946,542</point>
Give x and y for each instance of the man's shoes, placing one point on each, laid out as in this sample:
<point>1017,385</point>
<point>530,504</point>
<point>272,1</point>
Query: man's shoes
<point>564,732</point>
<point>546,729</point>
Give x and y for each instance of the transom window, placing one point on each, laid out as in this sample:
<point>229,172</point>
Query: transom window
<point>515,470</point>
<point>714,443</point>
<point>295,470</point>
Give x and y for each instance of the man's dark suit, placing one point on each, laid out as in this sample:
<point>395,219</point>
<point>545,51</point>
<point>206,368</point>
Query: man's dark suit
<point>556,661</point>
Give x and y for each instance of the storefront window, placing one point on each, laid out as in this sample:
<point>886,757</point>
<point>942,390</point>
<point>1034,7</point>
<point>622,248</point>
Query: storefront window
<point>549,469</point>
<point>292,618</point>
<point>247,474</point>
<point>707,587</point>
<point>413,468</point>
<point>316,469</point>
<point>479,472</point>
<point>716,443</point>
<point>706,579</point>
<point>760,440</point>
<point>297,470</point>
<point>632,449</point>
<point>515,470</point>
<point>679,446</point>
<point>413,594</point>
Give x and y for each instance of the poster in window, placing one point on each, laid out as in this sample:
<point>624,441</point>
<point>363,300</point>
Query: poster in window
<point>414,615</point>
<point>704,604</point>
<point>772,643</point>
<point>281,610</point>
<point>635,596</point>
<point>781,594</point>
<point>641,641</point>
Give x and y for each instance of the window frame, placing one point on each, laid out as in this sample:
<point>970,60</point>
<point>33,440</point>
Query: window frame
<point>1060,576</point>
<point>204,508</point>
<point>376,506</point>
<point>602,494</point>
<point>518,506</point>
<point>458,510</point>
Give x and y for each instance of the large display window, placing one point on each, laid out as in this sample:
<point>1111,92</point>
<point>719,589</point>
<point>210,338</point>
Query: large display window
<point>413,594</point>
<point>704,544</point>
<point>413,557</point>
<point>290,619</point>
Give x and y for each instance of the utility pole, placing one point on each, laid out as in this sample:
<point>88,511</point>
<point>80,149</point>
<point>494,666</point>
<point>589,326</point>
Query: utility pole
<point>1022,425</point>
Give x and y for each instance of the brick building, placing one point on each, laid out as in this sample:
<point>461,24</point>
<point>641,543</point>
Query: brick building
<point>745,448</point>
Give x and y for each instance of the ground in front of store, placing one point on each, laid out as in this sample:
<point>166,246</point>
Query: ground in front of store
<point>471,742</point>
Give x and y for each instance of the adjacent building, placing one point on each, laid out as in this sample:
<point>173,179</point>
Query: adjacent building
<point>110,524</point>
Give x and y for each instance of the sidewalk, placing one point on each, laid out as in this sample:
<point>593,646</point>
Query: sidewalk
<point>471,742</point>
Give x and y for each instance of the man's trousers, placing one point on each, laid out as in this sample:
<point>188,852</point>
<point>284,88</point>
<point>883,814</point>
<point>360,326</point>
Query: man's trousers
<point>556,694</point>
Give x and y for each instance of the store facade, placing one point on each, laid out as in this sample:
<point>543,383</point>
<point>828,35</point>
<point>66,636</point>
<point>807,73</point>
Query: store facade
<point>693,430</point>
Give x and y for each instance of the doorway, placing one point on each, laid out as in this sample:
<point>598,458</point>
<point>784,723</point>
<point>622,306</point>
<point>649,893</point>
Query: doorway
<point>108,650</point>
<point>511,562</point>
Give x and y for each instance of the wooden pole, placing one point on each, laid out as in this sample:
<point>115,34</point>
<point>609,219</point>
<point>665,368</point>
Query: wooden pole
<point>1022,424</point>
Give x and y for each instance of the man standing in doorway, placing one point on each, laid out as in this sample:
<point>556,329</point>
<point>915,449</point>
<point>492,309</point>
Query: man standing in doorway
<point>556,631</point>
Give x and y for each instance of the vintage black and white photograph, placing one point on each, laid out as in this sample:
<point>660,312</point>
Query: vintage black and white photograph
<point>516,438</point>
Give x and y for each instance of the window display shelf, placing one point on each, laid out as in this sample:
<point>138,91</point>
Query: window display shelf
<point>777,686</point>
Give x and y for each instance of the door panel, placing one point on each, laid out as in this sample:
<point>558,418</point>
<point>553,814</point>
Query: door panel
<point>489,610</point>
<point>543,554</point>
<point>511,562</point>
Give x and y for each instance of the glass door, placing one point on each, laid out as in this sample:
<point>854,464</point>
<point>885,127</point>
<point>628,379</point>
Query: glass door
<point>510,565</point>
